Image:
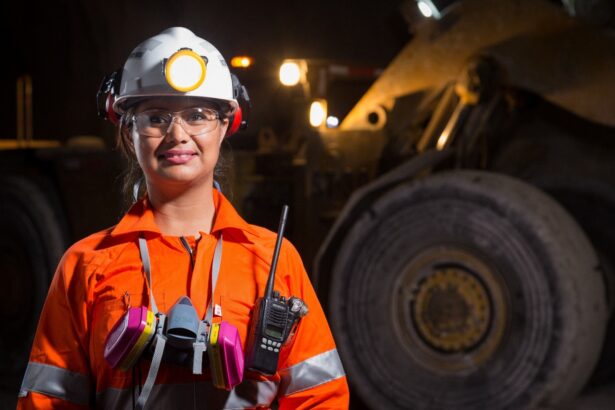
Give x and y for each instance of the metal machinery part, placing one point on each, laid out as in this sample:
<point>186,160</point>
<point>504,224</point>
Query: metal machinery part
<point>448,308</point>
<point>525,37</point>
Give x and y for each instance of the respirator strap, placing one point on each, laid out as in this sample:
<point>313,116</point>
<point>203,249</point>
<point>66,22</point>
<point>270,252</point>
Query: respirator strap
<point>200,346</point>
<point>160,340</point>
<point>153,371</point>
<point>201,343</point>
<point>147,266</point>
<point>215,271</point>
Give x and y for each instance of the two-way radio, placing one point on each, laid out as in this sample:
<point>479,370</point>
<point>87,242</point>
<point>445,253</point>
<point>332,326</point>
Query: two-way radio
<point>274,318</point>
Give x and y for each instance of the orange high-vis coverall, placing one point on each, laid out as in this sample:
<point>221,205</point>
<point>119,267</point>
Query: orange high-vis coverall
<point>102,275</point>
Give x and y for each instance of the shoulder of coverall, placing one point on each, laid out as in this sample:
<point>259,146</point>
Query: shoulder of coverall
<point>140,218</point>
<point>259,240</point>
<point>101,248</point>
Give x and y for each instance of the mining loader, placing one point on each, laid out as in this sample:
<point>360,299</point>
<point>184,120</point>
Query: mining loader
<point>468,200</point>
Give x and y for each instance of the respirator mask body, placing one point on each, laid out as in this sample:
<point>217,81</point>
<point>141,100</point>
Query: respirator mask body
<point>187,339</point>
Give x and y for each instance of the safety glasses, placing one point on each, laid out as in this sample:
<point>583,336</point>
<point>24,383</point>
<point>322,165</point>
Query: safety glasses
<point>195,121</point>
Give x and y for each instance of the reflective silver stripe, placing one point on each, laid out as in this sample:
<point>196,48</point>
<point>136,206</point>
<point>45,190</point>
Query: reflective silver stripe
<point>312,372</point>
<point>248,394</point>
<point>56,382</point>
<point>252,393</point>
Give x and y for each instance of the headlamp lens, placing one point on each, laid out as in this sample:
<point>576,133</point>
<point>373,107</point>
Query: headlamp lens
<point>185,70</point>
<point>195,121</point>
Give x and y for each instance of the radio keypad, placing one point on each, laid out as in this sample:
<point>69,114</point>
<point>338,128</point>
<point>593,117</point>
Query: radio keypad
<point>270,345</point>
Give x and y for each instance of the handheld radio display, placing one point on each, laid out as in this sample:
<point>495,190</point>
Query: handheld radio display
<point>273,318</point>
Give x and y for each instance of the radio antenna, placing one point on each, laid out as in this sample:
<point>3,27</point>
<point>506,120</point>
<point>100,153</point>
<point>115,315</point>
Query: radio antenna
<point>276,252</point>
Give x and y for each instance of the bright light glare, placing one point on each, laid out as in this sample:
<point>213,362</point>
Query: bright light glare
<point>425,9</point>
<point>241,61</point>
<point>332,122</point>
<point>318,113</point>
<point>290,73</point>
<point>442,140</point>
<point>185,71</point>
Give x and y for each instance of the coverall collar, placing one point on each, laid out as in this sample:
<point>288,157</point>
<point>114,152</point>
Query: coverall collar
<point>140,218</point>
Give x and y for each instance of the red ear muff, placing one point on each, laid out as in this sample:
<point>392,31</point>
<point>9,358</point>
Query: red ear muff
<point>111,115</point>
<point>234,123</point>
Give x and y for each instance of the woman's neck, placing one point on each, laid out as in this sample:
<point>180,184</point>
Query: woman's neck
<point>183,212</point>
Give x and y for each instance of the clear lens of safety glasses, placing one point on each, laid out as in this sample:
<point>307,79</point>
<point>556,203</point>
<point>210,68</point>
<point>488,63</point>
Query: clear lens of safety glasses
<point>195,121</point>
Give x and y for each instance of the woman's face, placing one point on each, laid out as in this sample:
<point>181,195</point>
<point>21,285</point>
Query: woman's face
<point>177,157</point>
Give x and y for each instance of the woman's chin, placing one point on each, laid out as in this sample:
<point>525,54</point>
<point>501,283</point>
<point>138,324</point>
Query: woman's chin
<point>175,177</point>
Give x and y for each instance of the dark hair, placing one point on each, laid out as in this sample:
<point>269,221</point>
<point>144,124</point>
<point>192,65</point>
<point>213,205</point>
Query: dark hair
<point>133,174</point>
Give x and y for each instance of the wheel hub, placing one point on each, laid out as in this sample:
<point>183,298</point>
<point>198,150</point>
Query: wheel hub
<point>451,310</point>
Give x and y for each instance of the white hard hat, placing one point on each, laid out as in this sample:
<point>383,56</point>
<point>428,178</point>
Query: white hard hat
<point>175,63</point>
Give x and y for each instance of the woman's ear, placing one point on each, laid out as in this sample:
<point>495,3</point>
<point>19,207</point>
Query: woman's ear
<point>224,127</point>
<point>126,134</point>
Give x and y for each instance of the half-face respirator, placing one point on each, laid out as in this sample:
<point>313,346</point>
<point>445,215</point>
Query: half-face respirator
<point>187,339</point>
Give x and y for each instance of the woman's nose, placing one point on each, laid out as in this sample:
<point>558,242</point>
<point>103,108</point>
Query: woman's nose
<point>176,130</point>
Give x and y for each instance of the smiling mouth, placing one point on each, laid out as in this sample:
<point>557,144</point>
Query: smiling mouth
<point>177,157</point>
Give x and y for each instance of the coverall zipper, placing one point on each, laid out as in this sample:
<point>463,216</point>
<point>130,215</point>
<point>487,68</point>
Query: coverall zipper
<point>189,249</point>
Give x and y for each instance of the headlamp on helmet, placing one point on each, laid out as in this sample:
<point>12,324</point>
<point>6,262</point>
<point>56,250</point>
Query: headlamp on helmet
<point>185,70</point>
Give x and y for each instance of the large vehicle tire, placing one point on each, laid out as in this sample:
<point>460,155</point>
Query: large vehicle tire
<point>32,240</point>
<point>467,290</point>
<point>594,212</point>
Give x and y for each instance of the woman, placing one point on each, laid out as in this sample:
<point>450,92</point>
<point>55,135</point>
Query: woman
<point>181,241</point>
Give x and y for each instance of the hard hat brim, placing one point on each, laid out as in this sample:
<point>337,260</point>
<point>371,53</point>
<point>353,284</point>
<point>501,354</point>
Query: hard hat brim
<point>122,104</point>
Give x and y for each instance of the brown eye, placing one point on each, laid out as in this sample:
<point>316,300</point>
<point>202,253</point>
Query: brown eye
<point>157,118</point>
<point>197,116</point>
